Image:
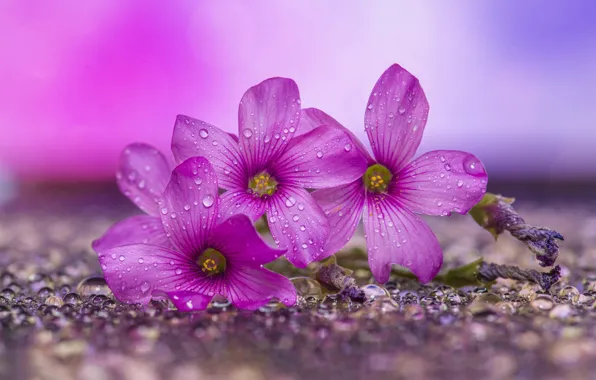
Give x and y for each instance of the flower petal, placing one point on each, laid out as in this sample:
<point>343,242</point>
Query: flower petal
<point>137,229</point>
<point>134,271</point>
<point>189,206</point>
<point>194,137</point>
<point>324,157</point>
<point>441,182</point>
<point>395,117</point>
<point>241,202</point>
<point>394,235</point>
<point>246,248</point>
<point>189,301</point>
<point>143,175</point>
<point>252,287</point>
<point>343,206</point>
<point>268,116</point>
<point>311,118</point>
<point>298,224</point>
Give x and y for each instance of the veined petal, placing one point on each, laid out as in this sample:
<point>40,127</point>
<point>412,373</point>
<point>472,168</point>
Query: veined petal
<point>137,229</point>
<point>441,182</point>
<point>324,157</point>
<point>252,287</point>
<point>237,239</point>
<point>189,301</point>
<point>268,116</point>
<point>395,117</point>
<point>134,271</point>
<point>394,235</point>
<point>343,206</point>
<point>298,224</point>
<point>194,137</point>
<point>190,205</point>
<point>311,118</point>
<point>142,176</point>
<point>241,202</point>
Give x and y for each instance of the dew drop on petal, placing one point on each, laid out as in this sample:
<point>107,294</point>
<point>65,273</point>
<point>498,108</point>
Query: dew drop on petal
<point>460,183</point>
<point>178,271</point>
<point>198,181</point>
<point>187,207</point>
<point>320,154</point>
<point>208,200</point>
<point>164,210</point>
<point>247,133</point>
<point>473,167</point>
<point>348,147</point>
<point>203,133</point>
<point>121,258</point>
<point>401,110</point>
<point>447,167</point>
<point>291,201</point>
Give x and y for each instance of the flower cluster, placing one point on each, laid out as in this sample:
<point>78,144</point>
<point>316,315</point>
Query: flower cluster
<point>308,174</point>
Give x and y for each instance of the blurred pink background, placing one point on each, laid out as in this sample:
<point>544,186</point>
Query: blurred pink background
<point>513,83</point>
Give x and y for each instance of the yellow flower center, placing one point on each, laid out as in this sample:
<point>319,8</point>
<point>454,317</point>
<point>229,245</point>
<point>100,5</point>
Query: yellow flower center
<point>211,262</point>
<point>377,178</point>
<point>263,184</point>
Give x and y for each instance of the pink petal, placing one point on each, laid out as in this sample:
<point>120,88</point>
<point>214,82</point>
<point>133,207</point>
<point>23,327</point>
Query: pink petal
<point>298,224</point>
<point>241,244</point>
<point>395,117</point>
<point>268,116</point>
<point>133,272</point>
<point>250,287</point>
<point>324,157</point>
<point>194,137</point>
<point>441,182</point>
<point>143,229</point>
<point>241,202</point>
<point>343,206</point>
<point>311,118</point>
<point>143,175</point>
<point>189,207</point>
<point>394,235</point>
<point>189,301</point>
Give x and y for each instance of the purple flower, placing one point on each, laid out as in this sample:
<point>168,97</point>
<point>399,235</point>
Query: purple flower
<point>395,188</point>
<point>199,258</point>
<point>142,176</point>
<point>268,168</point>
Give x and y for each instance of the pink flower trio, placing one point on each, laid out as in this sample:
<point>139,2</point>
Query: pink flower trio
<point>309,175</point>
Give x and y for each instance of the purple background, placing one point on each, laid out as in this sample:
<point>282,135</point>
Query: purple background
<point>513,83</point>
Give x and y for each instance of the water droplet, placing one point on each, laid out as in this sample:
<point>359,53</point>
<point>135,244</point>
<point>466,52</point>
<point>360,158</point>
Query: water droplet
<point>145,287</point>
<point>291,201</point>
<point>401,110</point>
<point>164,210</point>
<point>370,107</point>
<point>141,261</point>
<point>460,183</point>
<point>304,245</point>
<point>442,158</point>
<point>198,181</point>
<point>87,287</point>
<point>348,147</point>
<point>178,271</point>
<point>473,167</point>
<point>302,228</point>
<point>208,200</point>
<point>295,218</point>
<point>121,258</point>
<point>203,133</point>
<point>447,167</point>
<point>320,154</point>
<point>247,133</point>
<point>187,207</point>
<point>173,215</point>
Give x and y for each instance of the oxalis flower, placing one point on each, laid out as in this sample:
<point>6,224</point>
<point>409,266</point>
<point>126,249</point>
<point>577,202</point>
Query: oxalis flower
<point>201,258</point>
<point>142,176</point>
<point>271,164</point>
<point>394,188</point>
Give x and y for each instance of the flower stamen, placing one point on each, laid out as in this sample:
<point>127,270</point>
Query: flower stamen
<point>377,178</point>
<point>263,184</point>
<point>211,262</point>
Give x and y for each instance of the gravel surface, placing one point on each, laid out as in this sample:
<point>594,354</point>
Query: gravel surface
<point>59,320</point>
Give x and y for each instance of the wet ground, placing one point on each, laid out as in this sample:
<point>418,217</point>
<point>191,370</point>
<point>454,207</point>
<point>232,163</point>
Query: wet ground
<point>58,320</point>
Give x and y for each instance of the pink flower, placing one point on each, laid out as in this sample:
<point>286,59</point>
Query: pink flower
<point>193,257</point>
<point>270,166</point>
<point>142,176</point>
<point>395,188</point>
